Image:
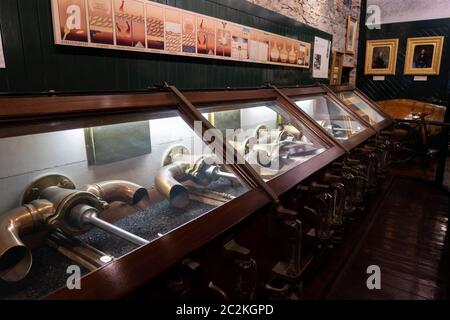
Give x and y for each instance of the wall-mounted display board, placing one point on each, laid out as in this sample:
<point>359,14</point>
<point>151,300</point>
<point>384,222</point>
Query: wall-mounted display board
<point>147,26</point>
<point>322,50</point>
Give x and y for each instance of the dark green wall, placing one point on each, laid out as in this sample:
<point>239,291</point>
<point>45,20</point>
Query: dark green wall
<point>35,64</point>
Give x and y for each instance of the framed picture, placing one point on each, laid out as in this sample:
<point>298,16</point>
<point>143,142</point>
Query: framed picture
<point>381,57</point>
<point>423,55</point>
<point>352,31</point>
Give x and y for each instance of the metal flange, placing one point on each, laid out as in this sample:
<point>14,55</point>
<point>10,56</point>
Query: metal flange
<point>34,190</point>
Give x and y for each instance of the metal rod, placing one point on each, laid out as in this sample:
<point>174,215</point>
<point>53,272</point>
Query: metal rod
<point>226,175</point>
<point>425,122</point>
<point>81,249</point>
<point>69,253</point>
<point>110,228</point>
<point>83,214</point>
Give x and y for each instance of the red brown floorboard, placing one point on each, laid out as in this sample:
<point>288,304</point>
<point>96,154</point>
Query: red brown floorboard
<point>404,232</point>
<point>407,241</point>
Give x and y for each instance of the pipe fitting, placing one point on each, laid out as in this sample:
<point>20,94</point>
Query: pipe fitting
<point>168,181</point>
<point>202,171</point>
<point>119,190</point>
<point>51,205</point>
<point>15,257</point>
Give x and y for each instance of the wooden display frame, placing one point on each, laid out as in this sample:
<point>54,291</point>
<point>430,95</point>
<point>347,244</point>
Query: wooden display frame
<point>351,35</point>
<point>387,122</point>
<point>355,140</point>
<point>32,114</point>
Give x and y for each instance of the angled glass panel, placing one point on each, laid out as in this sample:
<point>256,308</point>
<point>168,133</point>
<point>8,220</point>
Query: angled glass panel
<point>338,122</point>
<point>268,137</point>
<point>85,195</point>
<point>358,105</point>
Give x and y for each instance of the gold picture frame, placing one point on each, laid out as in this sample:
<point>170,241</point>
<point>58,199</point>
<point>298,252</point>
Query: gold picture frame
<point>352,32</point>
<point>423,56</point>
<point>381,57</point>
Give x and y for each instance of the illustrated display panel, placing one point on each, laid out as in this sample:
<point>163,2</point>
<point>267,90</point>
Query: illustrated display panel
<point>148,26</point>
<point>63,205</point>
<point>337,121</point>
<point>267,137</point>
<point>358,105</point>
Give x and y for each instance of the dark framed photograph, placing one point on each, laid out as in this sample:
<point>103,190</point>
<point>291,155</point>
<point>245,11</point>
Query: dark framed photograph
<point>423,56</point>
<point>381,57</point>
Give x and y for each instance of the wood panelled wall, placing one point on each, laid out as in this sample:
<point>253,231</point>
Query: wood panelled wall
<point>435,90</point>
<point>35,64</point>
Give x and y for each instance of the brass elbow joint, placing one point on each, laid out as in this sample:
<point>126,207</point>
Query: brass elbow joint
<point>199,170</point>
<point>50,202</point>
<point>15,257</point>
<point>168,181</point>
<point>119,190</point>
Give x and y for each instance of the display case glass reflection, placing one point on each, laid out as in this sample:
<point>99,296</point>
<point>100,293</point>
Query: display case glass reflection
<point>59,209</point>
<point>337,121</point>
<point>358,105</point>
<point>267,137</point>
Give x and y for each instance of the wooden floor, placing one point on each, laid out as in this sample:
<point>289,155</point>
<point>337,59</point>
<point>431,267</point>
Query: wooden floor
<point>447,174</point>
<point>406,236</point>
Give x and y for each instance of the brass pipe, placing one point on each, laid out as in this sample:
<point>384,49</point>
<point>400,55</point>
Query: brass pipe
<point>118,190</point>
<point>15,257</point>
<point>50,209</point>
<point>167,181</point>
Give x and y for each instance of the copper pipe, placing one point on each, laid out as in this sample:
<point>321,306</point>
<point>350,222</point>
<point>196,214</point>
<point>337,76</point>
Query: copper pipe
<point>15,257</point>
<point>167,181</point>
<point>118,190</point>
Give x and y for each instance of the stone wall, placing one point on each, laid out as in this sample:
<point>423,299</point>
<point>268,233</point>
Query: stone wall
<point>327,15</point>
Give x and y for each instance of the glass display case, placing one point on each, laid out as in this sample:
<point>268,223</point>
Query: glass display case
<point>109,182</point>
<point>270,139</point>
<point>339,122</point>
<point>101,191</point>
<point>364,107</point>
